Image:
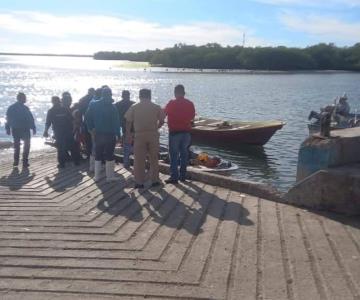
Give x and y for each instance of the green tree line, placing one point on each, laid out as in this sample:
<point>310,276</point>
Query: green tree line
<point>214,56</point>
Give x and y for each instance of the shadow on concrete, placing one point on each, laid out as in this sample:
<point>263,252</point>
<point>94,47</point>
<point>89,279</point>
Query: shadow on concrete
<point>351,221</point>
<point>116,202</point>
<point>189,218</point>
<point>124,204</point>
<point>16,180</point>
<point>64,179</point>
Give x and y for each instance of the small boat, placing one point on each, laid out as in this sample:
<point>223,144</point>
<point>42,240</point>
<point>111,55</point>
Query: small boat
<point>339,119</point>
<point>199,160</point>
<point>337,122</point>
<point>349,122</point>
<point>213,131</point>
<point>314,127</point>
<point>203,161</point>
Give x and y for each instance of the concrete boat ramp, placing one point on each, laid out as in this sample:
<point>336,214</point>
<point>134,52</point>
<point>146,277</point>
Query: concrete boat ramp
<point>62,236</point>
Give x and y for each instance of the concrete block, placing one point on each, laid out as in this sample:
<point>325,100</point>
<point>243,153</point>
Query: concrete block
<point>318,153</point>
<point>334,189</point>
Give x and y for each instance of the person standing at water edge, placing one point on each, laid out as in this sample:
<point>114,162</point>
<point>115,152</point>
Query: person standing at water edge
<point>61,120</point>
<point>146,118</point>
<point>180,113</point>
<point>83,105</point>
<point>102,120</point>
<point>97,97</point>
<point>66,100</point>
<point>122,107</point>
<point>19,122</point>
<point>85,101</point>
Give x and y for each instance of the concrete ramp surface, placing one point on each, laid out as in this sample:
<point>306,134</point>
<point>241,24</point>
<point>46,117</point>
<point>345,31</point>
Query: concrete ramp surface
<point>64,237</point>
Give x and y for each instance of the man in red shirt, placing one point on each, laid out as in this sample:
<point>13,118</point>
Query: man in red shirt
<point>180,113</point>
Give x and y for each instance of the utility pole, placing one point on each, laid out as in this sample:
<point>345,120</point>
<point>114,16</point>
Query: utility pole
<point>243,44</point>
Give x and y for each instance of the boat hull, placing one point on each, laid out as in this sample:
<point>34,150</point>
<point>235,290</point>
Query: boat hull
<point>259,135</point>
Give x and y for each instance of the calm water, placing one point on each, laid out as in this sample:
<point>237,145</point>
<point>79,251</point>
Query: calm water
<point>287,97</point>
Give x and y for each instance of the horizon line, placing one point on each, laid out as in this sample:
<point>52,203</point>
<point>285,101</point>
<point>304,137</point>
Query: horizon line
<point>46,54</point>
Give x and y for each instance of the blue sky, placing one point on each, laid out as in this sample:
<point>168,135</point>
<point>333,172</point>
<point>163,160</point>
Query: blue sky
<point>87,26</point>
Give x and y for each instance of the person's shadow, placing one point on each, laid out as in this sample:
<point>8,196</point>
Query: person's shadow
<point>183,216</point>
<point>64,179</point>
<point>116,201</point>
<point>16,180</point>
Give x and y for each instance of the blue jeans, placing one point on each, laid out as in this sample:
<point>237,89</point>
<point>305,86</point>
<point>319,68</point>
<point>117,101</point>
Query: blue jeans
<point>179,143</point>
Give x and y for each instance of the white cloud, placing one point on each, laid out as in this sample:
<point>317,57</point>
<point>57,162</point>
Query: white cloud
<point>89,33</point>
<point>319,3</point>
<point>327,28</point>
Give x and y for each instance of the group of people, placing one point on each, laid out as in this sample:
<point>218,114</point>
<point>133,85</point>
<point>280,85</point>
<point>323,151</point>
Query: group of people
<point>98,123</point>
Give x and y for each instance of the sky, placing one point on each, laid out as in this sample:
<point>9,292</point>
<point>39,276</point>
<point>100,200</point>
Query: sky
<point>88,26</point>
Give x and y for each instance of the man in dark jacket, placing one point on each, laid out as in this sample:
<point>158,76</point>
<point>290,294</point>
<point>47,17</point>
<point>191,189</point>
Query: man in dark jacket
<point>122,107</point>
<point>61,120</point>
<point>84,101</point>
<point>19,122</point>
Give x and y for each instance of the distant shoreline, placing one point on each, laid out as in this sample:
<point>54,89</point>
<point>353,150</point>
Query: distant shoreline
<point>215,56</point>
<point>244,72</point>
<point>160,69</point>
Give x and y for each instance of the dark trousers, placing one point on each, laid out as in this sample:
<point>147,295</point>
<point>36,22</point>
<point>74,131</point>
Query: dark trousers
<point>18,135</point>
<point>88,143</point>
<point>87,139</point>
<point>65,143</point>
<point>104,146</point>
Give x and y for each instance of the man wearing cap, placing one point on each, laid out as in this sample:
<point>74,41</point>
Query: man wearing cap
<point>145,118</point>
<point>19,121</point>
<point>102,121</point>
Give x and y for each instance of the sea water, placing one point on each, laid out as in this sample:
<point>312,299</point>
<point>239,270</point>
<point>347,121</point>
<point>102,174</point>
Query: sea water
<point>249,97</point>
